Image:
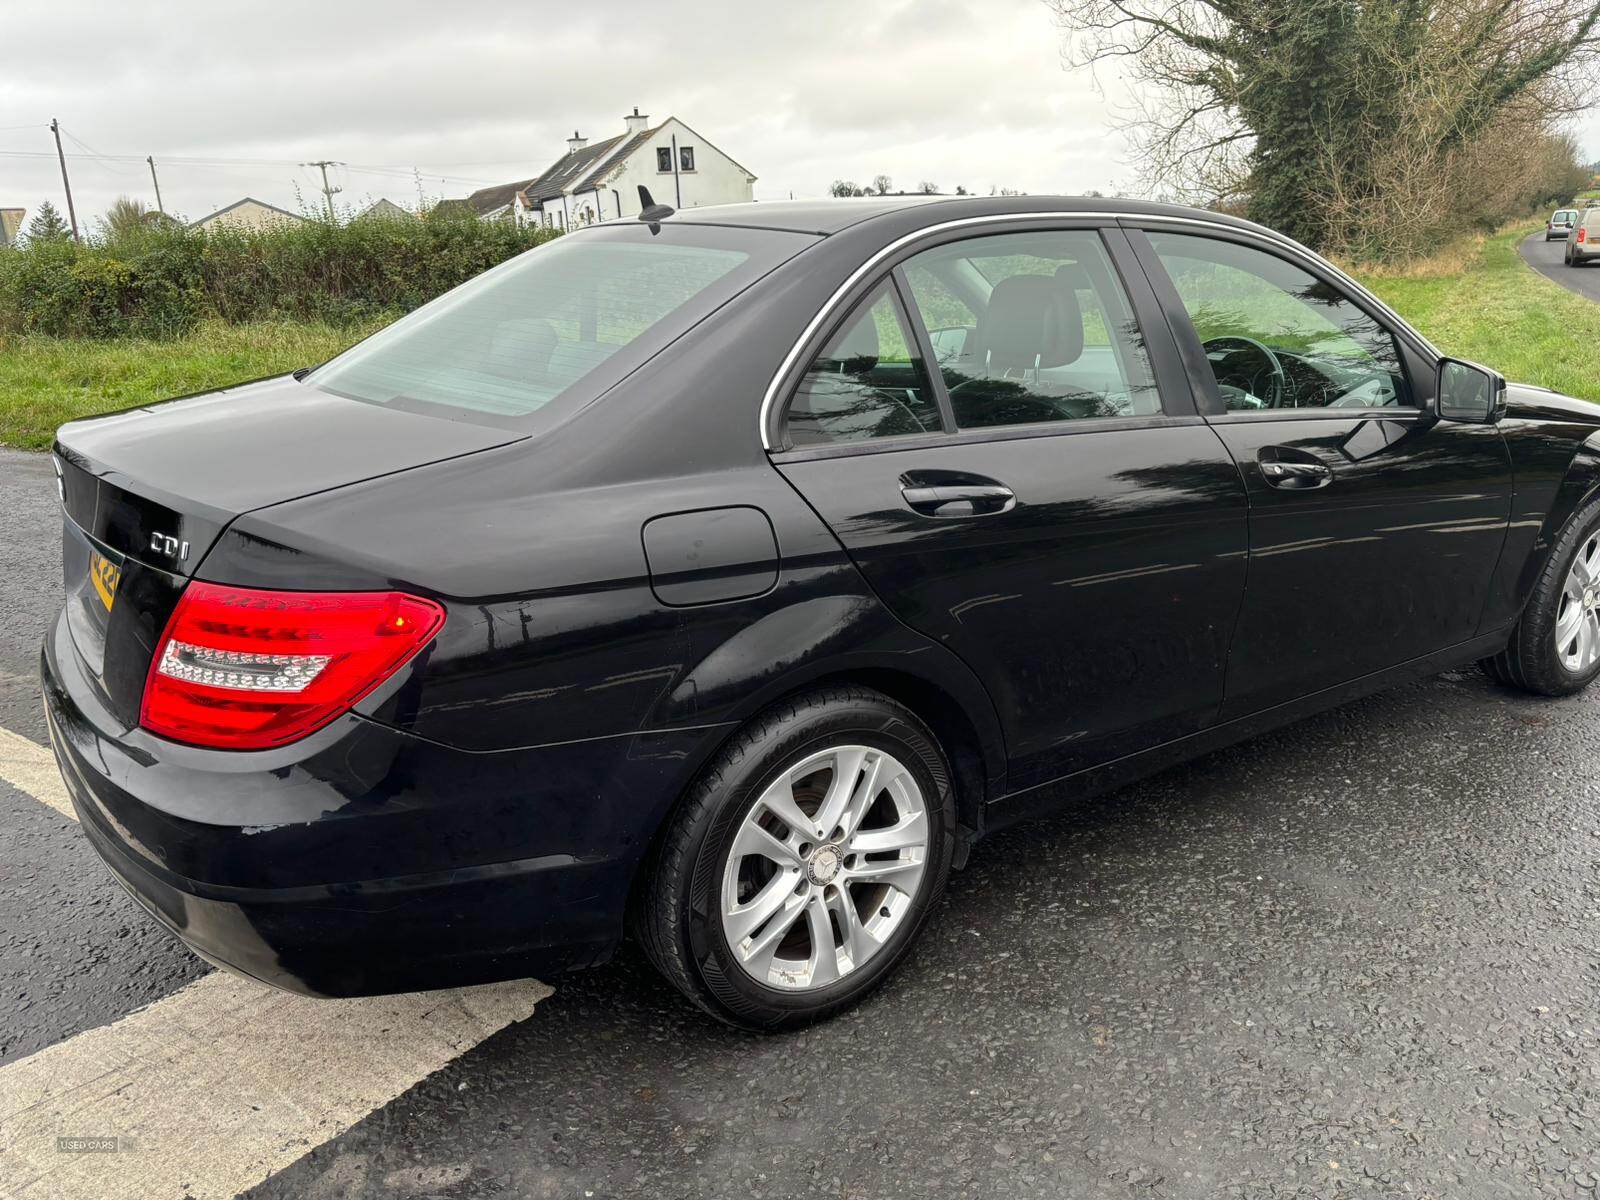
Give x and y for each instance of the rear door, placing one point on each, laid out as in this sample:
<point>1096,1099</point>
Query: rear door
<point>1046,502</point>
<point>1375,527</point>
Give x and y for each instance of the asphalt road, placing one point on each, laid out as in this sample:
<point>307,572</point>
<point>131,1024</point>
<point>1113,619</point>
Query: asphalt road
<point>1357,956</point>
<point>1546,258</point>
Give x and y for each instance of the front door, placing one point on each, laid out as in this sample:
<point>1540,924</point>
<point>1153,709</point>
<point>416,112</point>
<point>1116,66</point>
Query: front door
<point>1374,526</point>
<point>1034,504</point>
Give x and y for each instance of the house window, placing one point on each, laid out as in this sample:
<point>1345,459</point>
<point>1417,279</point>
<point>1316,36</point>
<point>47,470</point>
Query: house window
<point>686,157</point>
<point>664,158</point>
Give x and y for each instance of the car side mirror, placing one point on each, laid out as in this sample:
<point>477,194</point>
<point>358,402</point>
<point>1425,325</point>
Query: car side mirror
<point>1470,393</point>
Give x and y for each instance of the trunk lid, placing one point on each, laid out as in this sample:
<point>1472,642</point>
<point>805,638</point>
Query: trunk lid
<point>147,492</point>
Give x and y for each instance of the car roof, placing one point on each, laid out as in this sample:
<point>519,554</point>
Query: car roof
<point>831,216</point>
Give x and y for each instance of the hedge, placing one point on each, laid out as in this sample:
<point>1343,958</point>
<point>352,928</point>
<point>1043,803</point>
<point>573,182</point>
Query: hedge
<point>161,282</point>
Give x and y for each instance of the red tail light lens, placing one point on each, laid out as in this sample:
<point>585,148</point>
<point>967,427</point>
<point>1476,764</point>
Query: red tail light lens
<point>244,669</point>
<point>1580,234</point>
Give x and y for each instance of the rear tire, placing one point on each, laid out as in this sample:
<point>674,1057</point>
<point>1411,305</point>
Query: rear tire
<point>1554,648</point>
<point>744,911</point>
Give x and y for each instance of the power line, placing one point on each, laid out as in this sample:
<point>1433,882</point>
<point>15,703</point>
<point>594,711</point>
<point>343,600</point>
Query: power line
<point>396,170</point>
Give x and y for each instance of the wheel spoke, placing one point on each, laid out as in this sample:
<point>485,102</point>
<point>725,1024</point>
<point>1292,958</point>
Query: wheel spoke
<point>847,764</point>
<point>1584,565</point>
<point>1572,616</point>
<point>824,954</point>
<point>1590,639</point>
<point>1576,648</point>
<point>779,801</point>
<point>747,918</point>
<point>908,834</point>
<point>896,872</point>
<point>756,840</point>
<point>857,944</point>
<point>762,950</point>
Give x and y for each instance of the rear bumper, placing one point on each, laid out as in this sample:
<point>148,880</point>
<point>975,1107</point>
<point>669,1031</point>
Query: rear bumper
<point>363,860</point>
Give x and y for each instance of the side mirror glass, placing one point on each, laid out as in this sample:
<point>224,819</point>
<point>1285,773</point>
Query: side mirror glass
<point>1468,392</point>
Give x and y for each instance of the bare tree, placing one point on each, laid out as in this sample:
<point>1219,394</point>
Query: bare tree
<point>881,184</point>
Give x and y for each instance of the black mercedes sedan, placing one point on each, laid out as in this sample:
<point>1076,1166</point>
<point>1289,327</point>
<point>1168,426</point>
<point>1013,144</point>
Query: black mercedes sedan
<point>724,576</point>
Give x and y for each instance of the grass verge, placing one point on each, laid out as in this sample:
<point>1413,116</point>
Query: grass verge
<point>46,381</point>
<point>1477,300</point>
<point>1480,301</point>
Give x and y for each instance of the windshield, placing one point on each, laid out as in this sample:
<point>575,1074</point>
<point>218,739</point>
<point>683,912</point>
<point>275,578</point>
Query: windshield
<point>583,309</point>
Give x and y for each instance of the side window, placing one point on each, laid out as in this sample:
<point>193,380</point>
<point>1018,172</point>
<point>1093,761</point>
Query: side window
<point>686,158</point>
<point>663,158</point>
<point>1032,327</point>
<point>1277,336</point>
<point>868,382</point>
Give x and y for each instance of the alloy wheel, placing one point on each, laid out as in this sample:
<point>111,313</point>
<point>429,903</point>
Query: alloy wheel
<point>1577,630</point>
<point>825,867</point>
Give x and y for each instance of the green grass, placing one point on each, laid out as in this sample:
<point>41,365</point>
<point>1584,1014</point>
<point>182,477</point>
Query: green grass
<point>1480,301</point>
<point>1477,300</point>
<point>46,381</point>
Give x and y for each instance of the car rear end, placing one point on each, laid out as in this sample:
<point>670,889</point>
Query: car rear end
<point>222,749</point>
<point>1560,223</point>
<point>1584,243</point>
<point>234,702</point>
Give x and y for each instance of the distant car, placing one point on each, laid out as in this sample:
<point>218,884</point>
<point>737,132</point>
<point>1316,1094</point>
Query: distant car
<point>675,576</point>
<point>1560,223</point>
<point>1584,243</point>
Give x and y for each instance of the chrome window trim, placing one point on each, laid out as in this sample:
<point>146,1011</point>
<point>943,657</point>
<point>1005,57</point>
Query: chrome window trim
<point>1260,233</point>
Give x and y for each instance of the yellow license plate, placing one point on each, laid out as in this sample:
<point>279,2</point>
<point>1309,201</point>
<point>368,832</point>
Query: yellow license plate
<point>105,576</point>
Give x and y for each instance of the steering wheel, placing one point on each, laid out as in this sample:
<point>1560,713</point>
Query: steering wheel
<point>1279,382</point>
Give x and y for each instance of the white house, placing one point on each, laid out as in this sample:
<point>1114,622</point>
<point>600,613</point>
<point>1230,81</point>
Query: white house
<point>600,182</point>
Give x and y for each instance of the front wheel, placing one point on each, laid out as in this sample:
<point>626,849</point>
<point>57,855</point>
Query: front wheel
<point>1555,647</point>
<point>798,871</point>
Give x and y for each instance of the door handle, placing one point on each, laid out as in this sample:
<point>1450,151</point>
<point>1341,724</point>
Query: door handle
<point>1292,474</point>
<point>960,499</point>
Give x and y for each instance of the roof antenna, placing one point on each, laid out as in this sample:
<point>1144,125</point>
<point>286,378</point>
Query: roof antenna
<point>650,212</point>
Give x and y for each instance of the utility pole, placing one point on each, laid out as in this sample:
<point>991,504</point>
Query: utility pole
<point>329,192</point>
<point>151,159</point>
<point>55,128</point>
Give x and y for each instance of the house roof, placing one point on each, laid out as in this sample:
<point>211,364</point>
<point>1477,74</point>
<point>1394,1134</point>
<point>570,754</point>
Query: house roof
<point>383,207</point>
<point>613,164</point>
<point>486,200</point>
<point>552,183</point>
<point>569,168</point>
<point>574,172</point>
<point>240,204</point>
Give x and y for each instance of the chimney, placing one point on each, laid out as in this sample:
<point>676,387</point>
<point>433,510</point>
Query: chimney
<point>636,123</point>
<point>576,143</point>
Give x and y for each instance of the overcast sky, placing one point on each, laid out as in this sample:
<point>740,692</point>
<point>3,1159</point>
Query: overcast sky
<point>969,92</point>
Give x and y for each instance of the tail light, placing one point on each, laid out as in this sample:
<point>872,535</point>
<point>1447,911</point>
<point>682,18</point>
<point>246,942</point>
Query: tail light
<point>1580,234</point>
<point>245,669</point>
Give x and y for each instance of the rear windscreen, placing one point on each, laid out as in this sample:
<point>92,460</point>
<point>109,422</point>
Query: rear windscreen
<point>571,316</point>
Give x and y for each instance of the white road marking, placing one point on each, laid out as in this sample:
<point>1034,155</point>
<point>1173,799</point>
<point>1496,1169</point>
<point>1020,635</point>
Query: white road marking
<point>31,768</point>
<point>207,1092</point>
<point>224,1082</point>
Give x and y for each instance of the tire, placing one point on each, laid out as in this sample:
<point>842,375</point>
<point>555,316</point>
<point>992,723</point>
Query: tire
<point>1548,654</point>
<point>698,894</point>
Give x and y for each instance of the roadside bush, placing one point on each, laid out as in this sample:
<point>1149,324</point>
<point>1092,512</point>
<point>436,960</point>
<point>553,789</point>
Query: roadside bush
<point>160,282</point>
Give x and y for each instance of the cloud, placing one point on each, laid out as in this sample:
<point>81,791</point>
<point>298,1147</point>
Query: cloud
<point>965,92</point>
